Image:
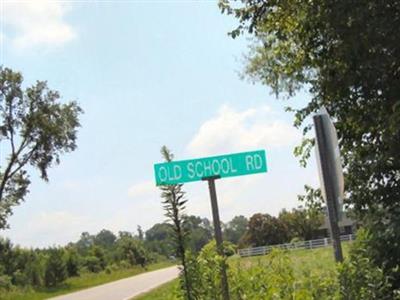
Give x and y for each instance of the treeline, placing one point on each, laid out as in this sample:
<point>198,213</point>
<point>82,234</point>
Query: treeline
<point>107,252</point>
<point>51,266</point>
<point>259,230</point>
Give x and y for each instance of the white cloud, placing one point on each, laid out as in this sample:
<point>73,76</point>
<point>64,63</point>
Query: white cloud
<point>232,130</point>
<point>52,227</point>
<point>143,207</point>
<point>142,189</point>
<point>250,129</point>
<point>36,23</point>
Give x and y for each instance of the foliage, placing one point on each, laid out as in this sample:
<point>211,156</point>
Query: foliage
<point>72,284</point>
<point>235,229</point>
<point>38,130</point>
<point>271,277</point>
<point>360,278</point>
<point>132,251</point>
<point>264,229</point>
<point>72,262</point>
<point>302,223</point>
<point>199,232</point>
<point>55,271</point>
<point>174,204</point>
<point>105,238</point>
<point>348,56</point>
<point>41,268</point>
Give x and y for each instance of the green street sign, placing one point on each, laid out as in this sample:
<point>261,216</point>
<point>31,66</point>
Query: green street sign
<point>229,165</point>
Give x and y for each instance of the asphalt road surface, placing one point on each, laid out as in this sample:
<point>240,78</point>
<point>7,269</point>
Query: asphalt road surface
<point>125,289</point>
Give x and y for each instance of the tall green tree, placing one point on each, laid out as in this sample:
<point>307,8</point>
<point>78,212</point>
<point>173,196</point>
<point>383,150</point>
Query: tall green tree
<point>347,54</point>
<point>235,229</point>
<point>105,238</point>
<point>174,205</point>
<point>264,229</point>
<point>38,130</point>
<point>55,271</point>
<point>302,223</point>
<point>199,234</point>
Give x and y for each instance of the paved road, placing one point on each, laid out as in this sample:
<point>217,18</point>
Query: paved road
<point>125,289</point>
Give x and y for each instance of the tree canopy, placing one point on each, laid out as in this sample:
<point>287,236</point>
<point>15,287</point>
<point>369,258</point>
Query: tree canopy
<point>38,129</point>
<point>347,54</point>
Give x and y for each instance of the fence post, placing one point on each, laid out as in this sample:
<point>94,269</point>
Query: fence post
<point>325,242</point>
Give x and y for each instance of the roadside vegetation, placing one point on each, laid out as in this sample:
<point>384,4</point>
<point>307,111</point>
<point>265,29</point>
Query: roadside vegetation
<point>99,258</point>
<point>76,283</point>
<point>313,269</point>
<point>93,260</point>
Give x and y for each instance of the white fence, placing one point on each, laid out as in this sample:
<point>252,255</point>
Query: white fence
<point>312,244</point>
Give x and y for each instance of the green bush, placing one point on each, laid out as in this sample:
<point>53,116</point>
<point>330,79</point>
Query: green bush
<point>93,264</point>
<point>55,272</point>
<point>359,278</point>
<point>20,278</point>
<point>273,277</point>
<point>5,282</point>
<point>72,262</point>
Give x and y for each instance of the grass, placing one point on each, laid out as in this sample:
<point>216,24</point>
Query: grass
<point>164,292</point>
<point>303,260</point>
<point>78,283</point>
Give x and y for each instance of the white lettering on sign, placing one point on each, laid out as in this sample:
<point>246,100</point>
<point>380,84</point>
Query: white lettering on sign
<point>210,167</point>
<point>233,170</point>
<point>162,174</point>
<point>190,168</point>
<point>198,172</point>
<point>225,166</point>
<point>177,172</point>
<point>197,169</point>
<point>254,162</point>
<point>258,161</point>
<point>249,162</point>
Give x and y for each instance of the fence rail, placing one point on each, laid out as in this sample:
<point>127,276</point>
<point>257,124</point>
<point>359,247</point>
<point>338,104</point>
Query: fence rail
<point>311,244</point>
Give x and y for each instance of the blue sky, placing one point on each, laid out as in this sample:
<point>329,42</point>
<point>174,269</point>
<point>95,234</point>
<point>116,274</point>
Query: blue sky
<point>146,73</point>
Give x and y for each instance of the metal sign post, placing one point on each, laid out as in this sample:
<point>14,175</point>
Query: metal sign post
<point>331,175</point>
<point>218,233</point>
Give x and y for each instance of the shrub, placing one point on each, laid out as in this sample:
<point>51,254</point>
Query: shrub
<point>273,277</point>
<point>360,278</point>
<point>55,272</point>
<point>5,282</point>
<point>93,264</point>
<point>72,263</point>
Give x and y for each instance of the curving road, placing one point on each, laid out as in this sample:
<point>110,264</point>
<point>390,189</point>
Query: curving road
<point>125,289</point>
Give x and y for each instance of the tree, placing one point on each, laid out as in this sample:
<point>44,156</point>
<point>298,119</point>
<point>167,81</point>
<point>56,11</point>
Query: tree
<point>199,233</point>
<point>235,229</point>
<point>132,250</point>
<point>72,262</point>
<point>38,130</point>
<point>264,229</point>
<point>55,272</point>
<point>140,233</point>
<point>302,223</point>
<point>174,201</point>
<point>348,56</point>
<point>105,238</point>
<point>160,240</point>
<point>85,242</point>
